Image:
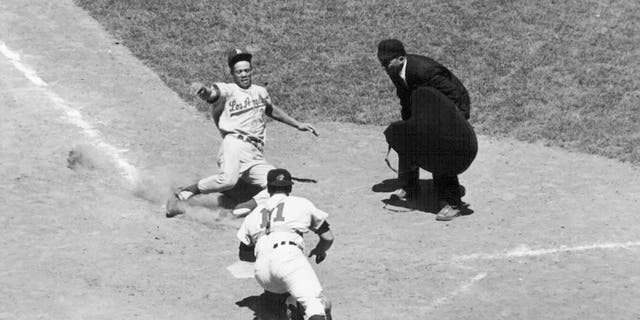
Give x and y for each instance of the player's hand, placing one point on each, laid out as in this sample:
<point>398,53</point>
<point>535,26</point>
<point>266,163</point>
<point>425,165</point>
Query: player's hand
<point>307,127</point>
<point>197,88</point>
<point>320,255</point>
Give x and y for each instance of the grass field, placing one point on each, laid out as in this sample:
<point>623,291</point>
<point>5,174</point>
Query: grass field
<point>560,72</point>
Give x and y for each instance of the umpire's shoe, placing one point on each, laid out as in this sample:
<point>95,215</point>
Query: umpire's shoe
<point>174,206</point>
<point>403,194</point>
<point>448,212</point>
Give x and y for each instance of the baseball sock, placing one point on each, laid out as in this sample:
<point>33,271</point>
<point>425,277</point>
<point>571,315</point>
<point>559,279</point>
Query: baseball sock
<point>188,192</point>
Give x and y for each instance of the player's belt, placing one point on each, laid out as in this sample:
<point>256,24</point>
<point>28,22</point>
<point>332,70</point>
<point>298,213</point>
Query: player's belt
<point>255,142</point>
<point>282,243</point>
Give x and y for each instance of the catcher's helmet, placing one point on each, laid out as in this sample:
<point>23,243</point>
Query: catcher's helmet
<point>279,178</point>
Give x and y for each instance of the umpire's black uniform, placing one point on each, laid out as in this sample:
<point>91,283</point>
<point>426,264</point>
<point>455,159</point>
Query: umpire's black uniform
<point>434,133</point>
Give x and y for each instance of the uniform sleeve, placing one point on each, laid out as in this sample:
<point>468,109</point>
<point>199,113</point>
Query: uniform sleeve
<point>243,234</point>
<point>264,95</point>
<point>224,88</point>
<point>317,216</point>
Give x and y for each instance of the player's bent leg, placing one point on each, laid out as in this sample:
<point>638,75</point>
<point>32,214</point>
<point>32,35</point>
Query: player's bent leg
<point>327,306</point>
<point>218,183</point>
<point>312,306</point>
<point>305,288</point>
<point>187,192</point>
<point>265,278</point>
<point>257,174</point>
<point>229,167</point>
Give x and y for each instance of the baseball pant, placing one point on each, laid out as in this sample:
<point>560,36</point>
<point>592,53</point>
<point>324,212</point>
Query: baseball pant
<point>447,187</point>
<point>237,159</point>
<point>286,269</point>
<point>408,173</point>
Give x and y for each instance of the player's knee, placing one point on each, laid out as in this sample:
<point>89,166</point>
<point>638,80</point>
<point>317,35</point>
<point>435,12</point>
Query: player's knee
<point>227,182</point>
<point>221,182</point>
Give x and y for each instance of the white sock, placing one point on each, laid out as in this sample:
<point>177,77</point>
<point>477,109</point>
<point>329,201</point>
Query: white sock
<point>184,195</point>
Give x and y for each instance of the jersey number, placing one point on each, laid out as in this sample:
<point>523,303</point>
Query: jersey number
<point>266,215</point>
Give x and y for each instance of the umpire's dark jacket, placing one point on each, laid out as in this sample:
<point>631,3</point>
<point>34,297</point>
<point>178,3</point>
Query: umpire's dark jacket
<point>434,127</point>
<point>423,71</point>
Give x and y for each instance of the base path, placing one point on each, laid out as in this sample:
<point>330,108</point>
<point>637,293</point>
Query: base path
<point>553,235</point>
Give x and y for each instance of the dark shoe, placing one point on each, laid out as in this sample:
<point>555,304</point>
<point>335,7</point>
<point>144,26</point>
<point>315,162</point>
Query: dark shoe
<point>448,213</point>
<point>174,206</point>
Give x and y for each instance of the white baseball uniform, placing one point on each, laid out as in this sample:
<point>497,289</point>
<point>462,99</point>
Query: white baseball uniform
<point>243,127</point>
<point>275,228</point>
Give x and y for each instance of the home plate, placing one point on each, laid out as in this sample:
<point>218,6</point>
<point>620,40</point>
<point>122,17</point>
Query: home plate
<point>241,269</point>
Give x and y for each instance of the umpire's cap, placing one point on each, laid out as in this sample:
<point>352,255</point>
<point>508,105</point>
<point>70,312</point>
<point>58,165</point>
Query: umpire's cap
<point>389,49</point>
<point>279,178</point>
<point>235,55</point>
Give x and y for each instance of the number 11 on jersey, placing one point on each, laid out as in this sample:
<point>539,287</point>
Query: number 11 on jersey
<point>266,215</point>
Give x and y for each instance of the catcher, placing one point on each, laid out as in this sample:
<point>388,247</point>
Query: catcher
<point>242,124</point>
<point>271,235</point>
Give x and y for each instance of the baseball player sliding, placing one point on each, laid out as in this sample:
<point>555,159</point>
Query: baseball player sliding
<point>272,236</point>
<point>242,125</point>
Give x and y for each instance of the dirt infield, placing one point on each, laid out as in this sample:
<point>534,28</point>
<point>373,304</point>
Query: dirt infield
<point>553,235</point>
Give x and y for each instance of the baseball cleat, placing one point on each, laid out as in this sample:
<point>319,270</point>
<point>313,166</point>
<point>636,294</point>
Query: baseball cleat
<point>174,206</point>
<point>447,213</point>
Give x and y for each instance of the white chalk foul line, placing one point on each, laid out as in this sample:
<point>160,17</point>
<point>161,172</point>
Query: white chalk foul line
<point>466,286</point>
<point>73,116</point>
<point>524,251</point>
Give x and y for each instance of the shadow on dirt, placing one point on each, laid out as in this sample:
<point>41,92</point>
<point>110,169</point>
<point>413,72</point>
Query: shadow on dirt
<point>214,210</point>
<point>267,306</point>
<point>242,192</point>
<point>426,200</point>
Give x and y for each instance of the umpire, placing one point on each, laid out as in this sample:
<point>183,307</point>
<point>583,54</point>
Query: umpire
<point>434,133</point>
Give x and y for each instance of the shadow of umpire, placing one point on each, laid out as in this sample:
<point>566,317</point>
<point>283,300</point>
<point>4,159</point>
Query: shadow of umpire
<point>425,200</point>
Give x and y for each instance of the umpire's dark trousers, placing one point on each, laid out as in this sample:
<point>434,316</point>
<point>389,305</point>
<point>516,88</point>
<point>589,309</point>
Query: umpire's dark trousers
<point>447,187</point>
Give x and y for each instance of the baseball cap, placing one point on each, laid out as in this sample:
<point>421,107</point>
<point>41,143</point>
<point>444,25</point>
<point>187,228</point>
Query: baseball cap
<point>279,178</point>
<point>235,55</point>
<point>389,49</point>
